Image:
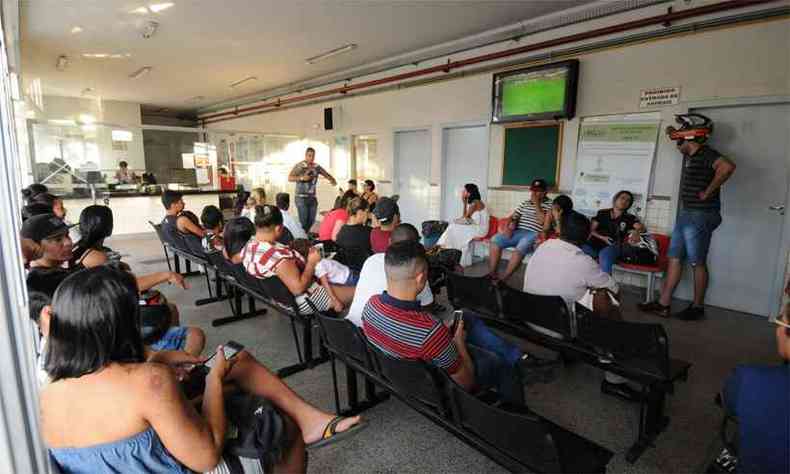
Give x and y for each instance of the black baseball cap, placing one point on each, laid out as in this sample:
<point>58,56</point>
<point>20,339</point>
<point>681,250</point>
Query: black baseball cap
<point>385,210</point>
<point>44,226</point>
<point>538,185</point>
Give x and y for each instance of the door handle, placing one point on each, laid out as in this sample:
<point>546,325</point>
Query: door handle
<point>779,208</point>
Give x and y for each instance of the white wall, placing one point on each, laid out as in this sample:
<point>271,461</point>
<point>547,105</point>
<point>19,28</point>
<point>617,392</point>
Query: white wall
<point>124,115</point>
<point>736,62</point>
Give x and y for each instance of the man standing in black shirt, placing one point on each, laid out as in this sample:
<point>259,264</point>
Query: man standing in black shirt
<point>704,171</point>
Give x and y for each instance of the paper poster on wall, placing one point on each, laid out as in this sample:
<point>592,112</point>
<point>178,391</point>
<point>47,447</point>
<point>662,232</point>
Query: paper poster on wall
<point>615,153</point>
<point>202,176</point>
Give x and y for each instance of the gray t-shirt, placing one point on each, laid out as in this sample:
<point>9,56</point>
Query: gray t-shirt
<point>304,169</point>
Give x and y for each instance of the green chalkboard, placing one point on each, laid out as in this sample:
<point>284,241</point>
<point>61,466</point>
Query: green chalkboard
<point>532,152</point>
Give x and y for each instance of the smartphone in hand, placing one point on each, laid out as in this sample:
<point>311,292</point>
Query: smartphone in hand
<point>230,349</point>
<point>458,315</point>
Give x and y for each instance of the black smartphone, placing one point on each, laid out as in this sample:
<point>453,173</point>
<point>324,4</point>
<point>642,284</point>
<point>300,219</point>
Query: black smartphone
<point>230,349</point>
<point>458,315</point>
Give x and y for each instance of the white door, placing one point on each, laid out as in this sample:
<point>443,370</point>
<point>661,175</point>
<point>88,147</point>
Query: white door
<point>465,160</point>
<point>412,175</point>
<point>747,254</point>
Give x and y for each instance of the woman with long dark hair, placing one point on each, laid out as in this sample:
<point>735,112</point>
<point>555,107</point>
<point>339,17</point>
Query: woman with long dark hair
<point>611,229</point>
<point>112,406</point>
<point>471,225</point>
<point>96,224</point>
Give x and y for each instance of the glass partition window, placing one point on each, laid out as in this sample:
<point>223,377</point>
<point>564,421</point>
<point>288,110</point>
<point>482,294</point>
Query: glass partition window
<point>66,155</point>
<point>366,157</point>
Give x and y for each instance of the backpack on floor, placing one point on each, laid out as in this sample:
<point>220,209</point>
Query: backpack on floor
<point>440,263</point>
<point>431,231</point>
<point>257,437</point>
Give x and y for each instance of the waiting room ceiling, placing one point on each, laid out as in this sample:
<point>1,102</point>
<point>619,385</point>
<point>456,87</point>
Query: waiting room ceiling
<point>200,47</point>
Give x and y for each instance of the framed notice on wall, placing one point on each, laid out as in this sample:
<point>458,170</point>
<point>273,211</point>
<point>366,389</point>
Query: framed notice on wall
<point>615,153</point>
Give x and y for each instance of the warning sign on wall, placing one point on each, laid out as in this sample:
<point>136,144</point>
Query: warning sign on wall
<point>658,97</point>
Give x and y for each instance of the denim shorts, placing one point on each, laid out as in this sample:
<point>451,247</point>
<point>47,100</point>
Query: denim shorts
<point>173,340</point>
<point>521,239</point>
<point>692,234</point>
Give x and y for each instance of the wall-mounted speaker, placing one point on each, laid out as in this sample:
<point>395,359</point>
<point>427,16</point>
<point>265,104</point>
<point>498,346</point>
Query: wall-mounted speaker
<point>328,119</point>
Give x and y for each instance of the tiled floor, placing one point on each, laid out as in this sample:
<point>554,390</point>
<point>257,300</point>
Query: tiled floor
<point>400,440</point>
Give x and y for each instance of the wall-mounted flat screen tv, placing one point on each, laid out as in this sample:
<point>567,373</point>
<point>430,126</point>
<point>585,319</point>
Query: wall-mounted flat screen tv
<point>546,92</point>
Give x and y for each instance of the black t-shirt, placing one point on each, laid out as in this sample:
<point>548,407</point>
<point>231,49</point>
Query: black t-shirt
<point>354,236</point>
<point>46,280</point>
<point>617,229</point>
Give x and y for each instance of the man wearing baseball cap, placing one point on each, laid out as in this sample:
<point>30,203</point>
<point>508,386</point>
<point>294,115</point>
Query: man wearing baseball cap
<point>52,236</point>
<point>388,215</point>
<point>522,229</point>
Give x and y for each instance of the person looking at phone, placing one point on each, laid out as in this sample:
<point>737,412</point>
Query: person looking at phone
<point>264,257</point>
<point>473,356</point>
<point>523,227</point>
<point>611,229</point>
<point>112,406</point>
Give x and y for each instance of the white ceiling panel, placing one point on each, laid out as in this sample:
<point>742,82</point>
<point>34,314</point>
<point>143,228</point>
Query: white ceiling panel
<point>202,46</point>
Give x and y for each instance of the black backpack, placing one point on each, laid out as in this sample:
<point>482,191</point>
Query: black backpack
<point>261,433</point>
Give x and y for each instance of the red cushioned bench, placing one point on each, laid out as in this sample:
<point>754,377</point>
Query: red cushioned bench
<point>650,271</point>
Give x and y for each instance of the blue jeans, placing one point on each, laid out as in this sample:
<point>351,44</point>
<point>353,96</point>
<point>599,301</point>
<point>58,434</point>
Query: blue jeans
<point>308,208</point>
<point>521,239</point>
<point>495,360</point>
<point>175,339</point>
<point>607,256</point>
<point>692,234</point>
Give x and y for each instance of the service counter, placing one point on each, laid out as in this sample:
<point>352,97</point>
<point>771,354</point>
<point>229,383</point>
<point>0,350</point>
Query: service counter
<point>132,210</point>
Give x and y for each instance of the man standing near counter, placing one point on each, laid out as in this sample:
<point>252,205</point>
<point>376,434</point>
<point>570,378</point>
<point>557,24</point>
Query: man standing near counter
<point>305,175</point>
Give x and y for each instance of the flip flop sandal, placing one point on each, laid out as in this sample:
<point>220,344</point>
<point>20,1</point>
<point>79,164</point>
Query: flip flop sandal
<point>331,434</point>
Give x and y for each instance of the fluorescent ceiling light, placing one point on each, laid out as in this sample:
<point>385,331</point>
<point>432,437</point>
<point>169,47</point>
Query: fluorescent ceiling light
<point>87,119</point>
<point>121,136</point>
<point>106,55</point>
<point>76,30</point>
<point>242,81</point>
<point>62,122</point>
<point>158,7</point>
<point>62,63</point>
<point>140,72</point>
<point>333,52</point>
<point>153,8</point>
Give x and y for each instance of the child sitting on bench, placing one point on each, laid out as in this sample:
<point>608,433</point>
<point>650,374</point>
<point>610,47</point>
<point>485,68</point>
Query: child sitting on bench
<point>328,272</point>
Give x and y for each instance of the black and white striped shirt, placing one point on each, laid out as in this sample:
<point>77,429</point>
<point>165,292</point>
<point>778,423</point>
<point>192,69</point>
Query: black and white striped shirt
<point>528,220</point>
<point>698,172</point>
